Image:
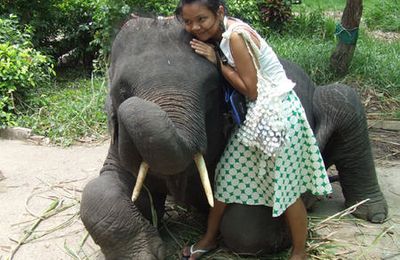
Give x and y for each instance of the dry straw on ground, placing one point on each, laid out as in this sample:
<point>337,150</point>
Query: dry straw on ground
<point>182,226</point>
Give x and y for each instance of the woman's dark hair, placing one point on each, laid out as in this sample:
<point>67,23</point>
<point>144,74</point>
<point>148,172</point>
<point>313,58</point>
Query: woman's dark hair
<point>212,5</point>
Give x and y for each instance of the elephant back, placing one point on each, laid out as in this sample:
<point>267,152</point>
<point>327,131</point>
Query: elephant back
<point>304,88</point>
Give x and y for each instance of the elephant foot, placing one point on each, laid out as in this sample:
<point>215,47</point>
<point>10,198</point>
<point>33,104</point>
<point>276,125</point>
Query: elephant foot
<point>372,211</point>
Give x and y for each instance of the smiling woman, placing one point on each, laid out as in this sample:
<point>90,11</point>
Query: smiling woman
<point>200,21</point>
<point>260,147</point>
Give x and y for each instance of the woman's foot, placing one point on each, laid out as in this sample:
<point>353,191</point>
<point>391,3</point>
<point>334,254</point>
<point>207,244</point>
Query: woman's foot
<point>197,250</point>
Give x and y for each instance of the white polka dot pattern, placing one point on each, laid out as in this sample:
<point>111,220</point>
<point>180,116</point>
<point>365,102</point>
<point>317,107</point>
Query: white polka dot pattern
<point>247,175</point>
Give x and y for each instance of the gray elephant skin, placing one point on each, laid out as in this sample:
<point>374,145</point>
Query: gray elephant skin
<point>164,106</point>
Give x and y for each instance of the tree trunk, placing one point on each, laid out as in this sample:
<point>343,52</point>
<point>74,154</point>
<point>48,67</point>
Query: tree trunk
<point>341,57</point>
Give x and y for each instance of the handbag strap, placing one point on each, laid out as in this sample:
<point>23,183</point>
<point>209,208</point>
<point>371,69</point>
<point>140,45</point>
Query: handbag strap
<point>227,88</point>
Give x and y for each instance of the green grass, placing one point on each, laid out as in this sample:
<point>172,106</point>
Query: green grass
<point>311,55</point>
<point>375,63</point>
<point>70,110</point>
<point>332,5</point>
<point>383,15</point>
<point>309,41</point>
<point>378,14</point>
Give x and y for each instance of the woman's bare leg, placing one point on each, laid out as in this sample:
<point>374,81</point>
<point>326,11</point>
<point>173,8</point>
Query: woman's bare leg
<point>209,240</point>
<point>296,217</point>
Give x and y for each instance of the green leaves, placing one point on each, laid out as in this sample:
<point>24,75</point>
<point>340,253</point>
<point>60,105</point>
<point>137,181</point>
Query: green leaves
<point>248,11</point>
<point>276,13</point>
<point>22,68</point>
<point>107,17</point>
<point>10,32</point>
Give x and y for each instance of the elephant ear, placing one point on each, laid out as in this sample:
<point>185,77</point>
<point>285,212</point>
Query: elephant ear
<point>112,120</point>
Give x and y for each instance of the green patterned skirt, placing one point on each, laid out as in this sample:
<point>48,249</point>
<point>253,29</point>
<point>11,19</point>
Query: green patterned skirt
<point>246,175</point>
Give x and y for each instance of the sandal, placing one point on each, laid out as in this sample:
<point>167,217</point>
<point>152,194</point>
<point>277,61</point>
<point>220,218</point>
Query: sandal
<point>201,252</point>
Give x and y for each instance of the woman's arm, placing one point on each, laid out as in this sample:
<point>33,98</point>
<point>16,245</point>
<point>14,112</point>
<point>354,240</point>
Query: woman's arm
<point>244,78</point>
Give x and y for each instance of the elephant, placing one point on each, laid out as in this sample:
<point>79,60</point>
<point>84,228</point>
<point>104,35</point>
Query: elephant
<point>166,115</point>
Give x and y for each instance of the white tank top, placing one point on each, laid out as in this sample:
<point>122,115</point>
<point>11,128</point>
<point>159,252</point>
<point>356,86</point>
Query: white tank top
<point>269,64</point>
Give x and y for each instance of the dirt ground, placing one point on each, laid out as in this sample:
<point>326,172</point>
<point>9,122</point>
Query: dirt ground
<point>36,179</point>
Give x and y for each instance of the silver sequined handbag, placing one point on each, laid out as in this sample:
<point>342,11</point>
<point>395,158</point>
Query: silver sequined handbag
<point>264,127</point>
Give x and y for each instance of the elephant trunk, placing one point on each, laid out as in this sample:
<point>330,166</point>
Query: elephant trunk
<point>166,145</point>
<point>162,142</point>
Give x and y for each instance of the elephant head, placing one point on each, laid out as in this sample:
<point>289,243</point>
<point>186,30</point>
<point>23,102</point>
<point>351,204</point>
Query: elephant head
<point>165,116</point>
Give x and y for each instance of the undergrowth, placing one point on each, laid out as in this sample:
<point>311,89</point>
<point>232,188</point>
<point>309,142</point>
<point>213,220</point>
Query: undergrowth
<point>69,111</point>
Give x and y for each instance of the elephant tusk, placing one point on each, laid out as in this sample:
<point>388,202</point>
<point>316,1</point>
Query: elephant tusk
<point>144,167</point>
<point>201,166</point>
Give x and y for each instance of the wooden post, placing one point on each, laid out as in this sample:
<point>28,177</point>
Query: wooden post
<point>342,56</point>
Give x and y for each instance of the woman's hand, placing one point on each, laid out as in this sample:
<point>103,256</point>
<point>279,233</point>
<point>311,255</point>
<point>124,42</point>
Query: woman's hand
<point>204,49</point>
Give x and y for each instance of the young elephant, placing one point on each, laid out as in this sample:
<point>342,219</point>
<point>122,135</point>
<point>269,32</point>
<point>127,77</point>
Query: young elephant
<point>165,112</point>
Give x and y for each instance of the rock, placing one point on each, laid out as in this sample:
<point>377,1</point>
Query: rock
<point>15,133</point>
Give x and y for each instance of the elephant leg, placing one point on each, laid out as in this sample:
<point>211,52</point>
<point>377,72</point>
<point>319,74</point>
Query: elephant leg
<point>115,223</point>
<point>342,134</point>
<point>261,233</point>
<point>358,180</point>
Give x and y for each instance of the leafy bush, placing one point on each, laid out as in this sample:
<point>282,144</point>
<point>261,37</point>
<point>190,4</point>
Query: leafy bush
<point>11,32</point>
<point>332,5</point>
<point>107,19</point>
<point>248,11</point>
<point>311,24</point>
<point>22,68</point>
<point>59,26</point>
<point>165,8</point>
<point>276,13</point>
<point>73,29</point>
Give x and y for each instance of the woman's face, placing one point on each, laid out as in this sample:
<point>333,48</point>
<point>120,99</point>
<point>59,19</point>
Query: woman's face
<point>202,22</point>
